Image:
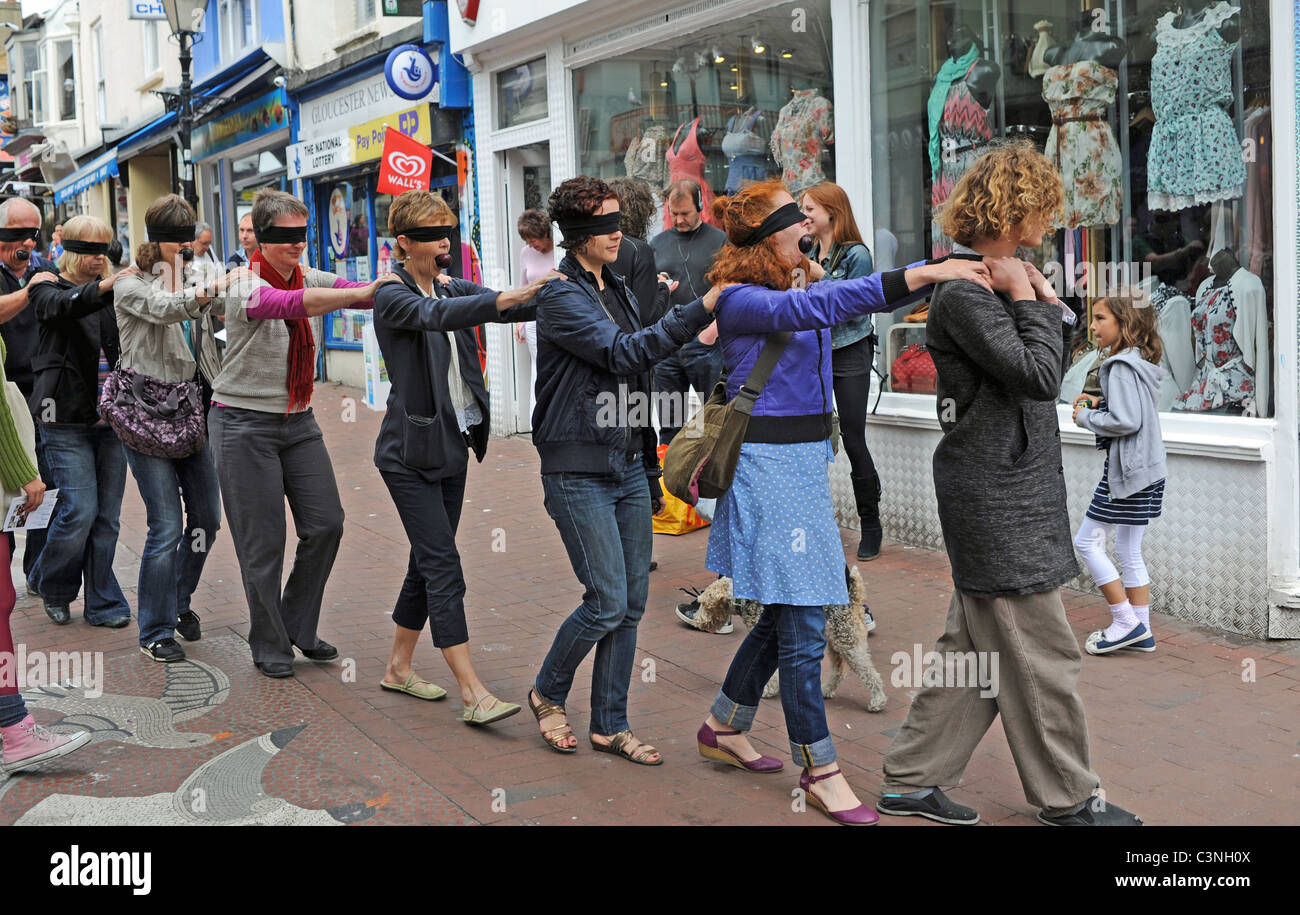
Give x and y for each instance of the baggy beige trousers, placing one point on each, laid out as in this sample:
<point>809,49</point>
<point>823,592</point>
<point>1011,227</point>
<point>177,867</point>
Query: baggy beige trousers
<point>1038,663</point>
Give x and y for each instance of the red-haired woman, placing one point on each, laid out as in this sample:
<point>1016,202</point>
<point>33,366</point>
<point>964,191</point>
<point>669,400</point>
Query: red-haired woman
<point>842,255</point>
<point>774,532</point>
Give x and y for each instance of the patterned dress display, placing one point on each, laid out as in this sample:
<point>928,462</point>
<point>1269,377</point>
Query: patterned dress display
<point>1081,144</point>
<point>963,133</point>
<point>687,161</point>
<point>1195,155</point>
<point>803,128</point>
<point>1222,375</point>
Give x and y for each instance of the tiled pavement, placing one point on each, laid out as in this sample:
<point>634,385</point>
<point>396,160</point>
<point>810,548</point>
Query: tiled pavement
<point>1180,736</point>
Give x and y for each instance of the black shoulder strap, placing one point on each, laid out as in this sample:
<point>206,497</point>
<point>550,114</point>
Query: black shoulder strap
<point>768,357</point>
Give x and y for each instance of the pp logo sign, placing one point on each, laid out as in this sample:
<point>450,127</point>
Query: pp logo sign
<point>410,72</point>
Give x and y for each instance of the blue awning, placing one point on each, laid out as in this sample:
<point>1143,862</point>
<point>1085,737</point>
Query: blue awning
<point>90,174</point>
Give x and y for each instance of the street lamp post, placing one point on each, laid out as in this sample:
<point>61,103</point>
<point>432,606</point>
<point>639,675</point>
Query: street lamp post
<point>185,19</point>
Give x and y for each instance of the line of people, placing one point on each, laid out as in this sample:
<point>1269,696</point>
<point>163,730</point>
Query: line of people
<point>601,481</point>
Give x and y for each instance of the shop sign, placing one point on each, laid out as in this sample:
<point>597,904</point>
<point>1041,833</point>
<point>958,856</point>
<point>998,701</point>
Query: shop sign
<point>322,154</point>
<point>344,108</point>
<point>411,73</point>
<point>468,11</point>
<point>147,9</point>
<point>407,165</point>
<point>368,138</point>
<point>260,116</point>
<point>403,8</point>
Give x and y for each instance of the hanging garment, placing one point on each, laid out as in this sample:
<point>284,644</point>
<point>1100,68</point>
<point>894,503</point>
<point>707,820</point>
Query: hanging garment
<point>1174,325</point>
<point>1195,154</point>
<point>1081,144</point>
<point>688,162</point>
<point>963,133</point>
<point>1258,254</point>
<point>745,151</point>
<point>803,128</point>
<point>1230,324</point>
<point>645,157</point>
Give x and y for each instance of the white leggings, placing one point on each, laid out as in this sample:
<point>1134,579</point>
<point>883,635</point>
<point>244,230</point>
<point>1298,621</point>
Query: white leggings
<point>1090,541</point>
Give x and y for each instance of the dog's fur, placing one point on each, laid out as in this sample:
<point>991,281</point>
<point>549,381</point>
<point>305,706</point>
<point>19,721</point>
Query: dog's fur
<point>846,634</point>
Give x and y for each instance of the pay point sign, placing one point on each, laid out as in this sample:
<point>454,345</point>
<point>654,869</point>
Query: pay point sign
<point>405,164</point>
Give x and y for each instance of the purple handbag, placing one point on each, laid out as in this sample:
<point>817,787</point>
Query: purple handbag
<point>160,418</point>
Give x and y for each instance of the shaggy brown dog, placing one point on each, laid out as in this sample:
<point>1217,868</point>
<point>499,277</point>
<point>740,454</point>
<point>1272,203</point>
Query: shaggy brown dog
<point>846,634</point>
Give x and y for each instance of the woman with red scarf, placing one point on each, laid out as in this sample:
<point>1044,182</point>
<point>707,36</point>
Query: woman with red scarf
<point>266,443</point>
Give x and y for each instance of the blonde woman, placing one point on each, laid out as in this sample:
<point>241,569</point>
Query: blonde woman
<point>77,344</point>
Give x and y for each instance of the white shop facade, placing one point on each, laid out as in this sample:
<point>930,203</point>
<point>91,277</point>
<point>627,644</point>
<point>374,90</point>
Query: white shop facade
<point>564,88</point>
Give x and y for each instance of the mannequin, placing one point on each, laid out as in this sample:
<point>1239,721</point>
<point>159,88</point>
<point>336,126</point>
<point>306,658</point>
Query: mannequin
<point>1079,86</point>
<point>1038,56</point>
<point>685,158</point>
<point>1195,153</point>
<point>745,150</point>
<point>958,119</point>
<point>804,128</point>
<point>1174,324</point>
<point>1230,323</point>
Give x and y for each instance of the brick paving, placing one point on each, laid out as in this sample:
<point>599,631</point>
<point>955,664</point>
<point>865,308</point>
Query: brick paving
<point>1182,736</point>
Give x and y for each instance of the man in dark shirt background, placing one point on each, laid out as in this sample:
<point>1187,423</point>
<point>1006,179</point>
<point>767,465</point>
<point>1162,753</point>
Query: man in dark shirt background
<point>20,269</point>
<point>685,252</point>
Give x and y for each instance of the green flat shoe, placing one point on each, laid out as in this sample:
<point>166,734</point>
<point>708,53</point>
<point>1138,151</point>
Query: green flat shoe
<point>478,715</point>
<point>414,686</point>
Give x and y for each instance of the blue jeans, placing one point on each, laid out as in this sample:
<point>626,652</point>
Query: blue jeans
<point>604,521</point>
<point>177,544</point>
<point>88,468</point>
<point>793,639</point>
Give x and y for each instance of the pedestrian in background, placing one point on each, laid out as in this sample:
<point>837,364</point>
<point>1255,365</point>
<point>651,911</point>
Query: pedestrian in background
<point>266,444</point>
<point>78,342</point>
<point>840,254</point>
<point>536,259</point>
<point>1131,492</point>
<point>56,243</point>
<point>162,324</point>
<point>438,410</point>
<point>600,477</point>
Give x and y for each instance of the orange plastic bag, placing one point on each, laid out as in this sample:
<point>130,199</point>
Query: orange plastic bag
<point>677,516</point>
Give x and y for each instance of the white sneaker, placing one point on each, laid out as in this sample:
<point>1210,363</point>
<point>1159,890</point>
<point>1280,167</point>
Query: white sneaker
<point>686,613</point>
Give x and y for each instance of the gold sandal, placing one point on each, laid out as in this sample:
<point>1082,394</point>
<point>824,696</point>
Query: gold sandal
<point>553,736</point>
<point>618,746</point>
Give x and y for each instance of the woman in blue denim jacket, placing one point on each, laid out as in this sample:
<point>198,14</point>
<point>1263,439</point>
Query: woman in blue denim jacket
<point>841,254</point>
<point>774,532</point>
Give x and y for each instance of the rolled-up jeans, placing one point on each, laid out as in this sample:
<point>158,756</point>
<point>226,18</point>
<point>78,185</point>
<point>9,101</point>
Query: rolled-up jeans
<point>604,521</point>
<point>792,639</point>
<point>88,468</point>
<point>177,544</point>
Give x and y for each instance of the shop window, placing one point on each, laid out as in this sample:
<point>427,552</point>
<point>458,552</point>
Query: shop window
<point>521,93</point>
<point>725,106</point>
<point>1160,123</point>
<point>347,229</point>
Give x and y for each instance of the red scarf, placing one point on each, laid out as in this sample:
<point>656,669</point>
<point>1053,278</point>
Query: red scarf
<point>301,376</point>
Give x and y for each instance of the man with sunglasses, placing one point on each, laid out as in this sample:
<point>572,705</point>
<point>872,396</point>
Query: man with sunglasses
<point>21,268</point>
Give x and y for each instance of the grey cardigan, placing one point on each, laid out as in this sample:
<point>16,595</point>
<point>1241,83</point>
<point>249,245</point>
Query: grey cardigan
<point>149,320</point>
<point>1131,386</point>
<point>997,469</point>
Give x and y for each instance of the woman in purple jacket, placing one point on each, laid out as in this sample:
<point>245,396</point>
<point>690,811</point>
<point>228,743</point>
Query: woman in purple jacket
<point>774,532</point>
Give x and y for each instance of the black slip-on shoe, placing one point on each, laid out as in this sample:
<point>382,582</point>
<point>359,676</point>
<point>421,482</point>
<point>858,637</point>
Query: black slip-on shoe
<point>58,613</point>
<point>1094,812</point>
<point>275,669</point>
<point>934,806</point>
<point>324,651</point>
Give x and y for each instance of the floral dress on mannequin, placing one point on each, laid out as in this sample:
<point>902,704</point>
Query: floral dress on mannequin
<point>687,161</point>
<point>1230,329</point>
<point>1081,144</point>
<point>803,128</point>
<point>963,133</point>
<point>1195,155</point>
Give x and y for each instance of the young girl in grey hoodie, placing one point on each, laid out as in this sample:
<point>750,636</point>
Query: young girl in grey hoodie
<point>1132,485</point>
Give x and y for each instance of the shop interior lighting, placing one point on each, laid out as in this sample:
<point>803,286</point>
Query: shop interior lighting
<point>758,45</point>
<point>663,81</point>
<point>735,69</point>
<point>718,56</point>
<point>787,53</point>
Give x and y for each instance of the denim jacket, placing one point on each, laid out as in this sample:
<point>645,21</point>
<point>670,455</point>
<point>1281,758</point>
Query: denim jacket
<point>842,263</point>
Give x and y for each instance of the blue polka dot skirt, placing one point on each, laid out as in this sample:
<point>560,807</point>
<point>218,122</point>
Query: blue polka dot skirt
<point>774,532</point>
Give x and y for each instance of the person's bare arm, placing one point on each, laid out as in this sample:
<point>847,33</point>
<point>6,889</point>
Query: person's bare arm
<point>16,301</point>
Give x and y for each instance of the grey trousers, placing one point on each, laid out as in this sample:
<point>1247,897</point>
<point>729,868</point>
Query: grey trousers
<point>262,459</point>
<point>1038,662</point>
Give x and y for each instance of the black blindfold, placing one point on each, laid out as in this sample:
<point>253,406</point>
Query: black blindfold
<point>591,225</point>
<point>428,233</point>
<point>19,234</point>
<point>282,235</point>
<point>778,219</point>
<point>85,247</point>
<point>180,235</point>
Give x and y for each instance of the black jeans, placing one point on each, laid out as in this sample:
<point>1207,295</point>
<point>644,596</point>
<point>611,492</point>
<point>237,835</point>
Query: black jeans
<point>851,393</point>
<point>434,588</point>
<point>693,366</point>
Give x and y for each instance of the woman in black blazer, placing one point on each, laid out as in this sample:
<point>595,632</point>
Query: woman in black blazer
<point>437,411</point>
